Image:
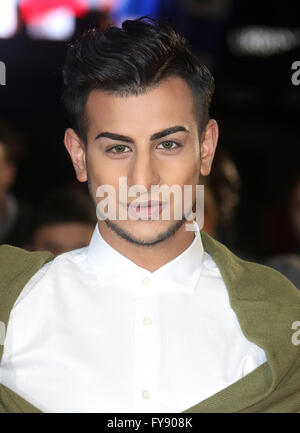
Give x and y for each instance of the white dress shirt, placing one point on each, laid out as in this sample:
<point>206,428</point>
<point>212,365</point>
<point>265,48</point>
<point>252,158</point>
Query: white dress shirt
<point>93,332</point>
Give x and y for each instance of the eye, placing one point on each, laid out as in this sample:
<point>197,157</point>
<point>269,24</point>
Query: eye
<point>120,148</point>
<point>169,145</point>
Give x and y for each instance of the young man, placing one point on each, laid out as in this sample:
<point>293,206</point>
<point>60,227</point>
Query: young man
<point>151,316</point>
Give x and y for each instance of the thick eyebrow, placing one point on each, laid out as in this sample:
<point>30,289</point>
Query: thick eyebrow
<point>114,136</point>
<point>155,136</point>
<point>168,131</point>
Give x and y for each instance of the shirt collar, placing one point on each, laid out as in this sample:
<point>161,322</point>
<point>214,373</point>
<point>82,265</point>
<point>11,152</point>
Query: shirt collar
<point>109,264</point>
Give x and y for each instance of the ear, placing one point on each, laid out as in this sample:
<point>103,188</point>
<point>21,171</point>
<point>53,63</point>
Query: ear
<point>77,152</point>
<point>208,146</point>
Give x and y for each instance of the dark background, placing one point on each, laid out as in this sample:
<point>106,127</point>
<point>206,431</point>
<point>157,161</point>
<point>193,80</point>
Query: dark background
<point>255,103</point>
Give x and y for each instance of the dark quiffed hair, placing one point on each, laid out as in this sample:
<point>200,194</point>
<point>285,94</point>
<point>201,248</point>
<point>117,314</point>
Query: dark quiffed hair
<point>130,60</point>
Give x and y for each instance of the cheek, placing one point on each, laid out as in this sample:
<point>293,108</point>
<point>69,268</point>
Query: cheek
<point>186,171</point>
<point>100,171</point>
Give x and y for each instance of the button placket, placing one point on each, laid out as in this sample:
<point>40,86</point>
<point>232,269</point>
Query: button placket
<point>147,351</point>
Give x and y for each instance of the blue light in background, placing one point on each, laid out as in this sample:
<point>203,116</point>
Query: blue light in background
<point>135,8</point>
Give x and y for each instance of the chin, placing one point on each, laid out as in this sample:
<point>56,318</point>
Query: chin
<point>145,232</point>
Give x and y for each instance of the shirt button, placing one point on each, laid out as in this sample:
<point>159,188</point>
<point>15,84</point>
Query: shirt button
<point>147,321</point>
<point>145,281</point>
<point>146,395</point>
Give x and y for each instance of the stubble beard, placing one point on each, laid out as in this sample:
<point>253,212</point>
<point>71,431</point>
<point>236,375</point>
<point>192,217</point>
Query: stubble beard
<point>170,231</point>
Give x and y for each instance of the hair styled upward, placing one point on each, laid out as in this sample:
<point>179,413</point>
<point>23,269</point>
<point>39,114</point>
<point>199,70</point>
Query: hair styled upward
<point>129,61</point>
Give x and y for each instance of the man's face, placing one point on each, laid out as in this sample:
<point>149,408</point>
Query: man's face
<point>140,156</point>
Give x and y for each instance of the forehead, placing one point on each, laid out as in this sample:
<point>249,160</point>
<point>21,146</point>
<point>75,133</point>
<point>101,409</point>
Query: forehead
<point>170,102</point>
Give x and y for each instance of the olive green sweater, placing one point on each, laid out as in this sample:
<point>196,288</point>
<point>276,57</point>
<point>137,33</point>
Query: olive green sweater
<point>267,306</point>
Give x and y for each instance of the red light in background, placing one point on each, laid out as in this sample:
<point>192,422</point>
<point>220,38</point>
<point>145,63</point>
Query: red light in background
<point>33,10</point>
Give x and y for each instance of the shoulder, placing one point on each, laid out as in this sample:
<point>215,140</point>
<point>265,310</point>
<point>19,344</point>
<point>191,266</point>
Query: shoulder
<point>14,261</point>
<point>249,280</point>
<point>17,266</point>
<point>21,270</point>
<point>63,266</point>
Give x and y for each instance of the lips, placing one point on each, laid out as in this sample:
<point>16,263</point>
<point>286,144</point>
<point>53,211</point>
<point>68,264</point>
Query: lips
<point>144,204</point>
<point>144,210</point>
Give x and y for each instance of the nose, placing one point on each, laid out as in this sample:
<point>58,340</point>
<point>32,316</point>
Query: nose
<point>143,170</point>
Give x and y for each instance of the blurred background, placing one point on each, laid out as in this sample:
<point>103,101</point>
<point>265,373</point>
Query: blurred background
<point>252,48</point>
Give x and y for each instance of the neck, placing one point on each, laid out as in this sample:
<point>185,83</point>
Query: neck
<point>149,257</point>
